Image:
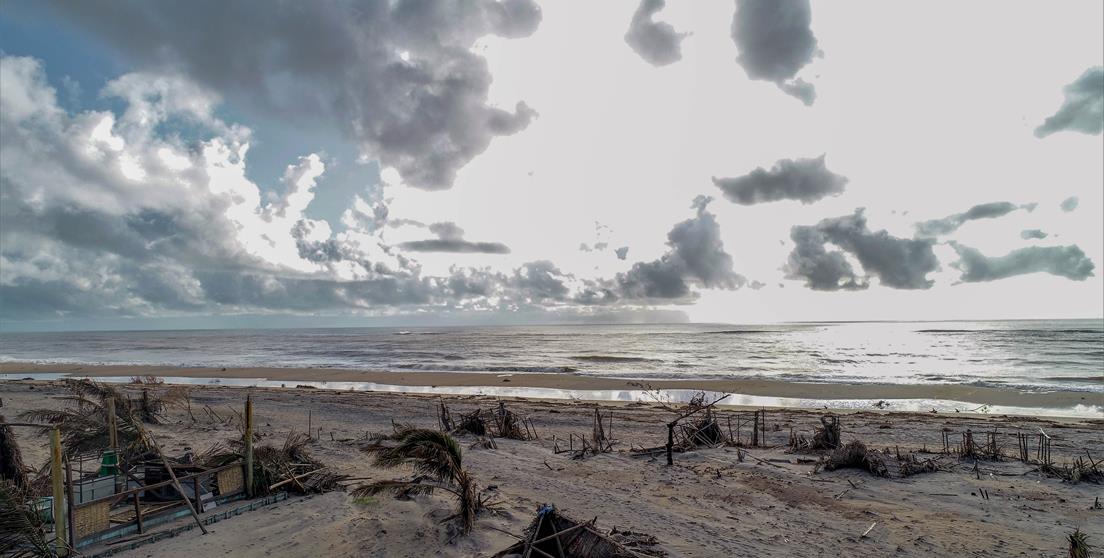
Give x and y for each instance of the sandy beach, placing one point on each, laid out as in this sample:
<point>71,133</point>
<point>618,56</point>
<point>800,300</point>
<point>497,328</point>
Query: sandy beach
<point>710,503</point>
<point>975,395</point>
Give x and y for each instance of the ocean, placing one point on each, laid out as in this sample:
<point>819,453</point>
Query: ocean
<point>1027,355</point>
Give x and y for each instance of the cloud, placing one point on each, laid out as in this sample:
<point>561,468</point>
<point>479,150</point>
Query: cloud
<point>104,217</point>
<point>400,77</point>
<point>695,257</point>
<point>622,252</point>
<point>447,230</point>
<point>455,246</point>
<point>898,263</point>
<point>775,41</point>
<point>804,180</point>
<point>1028,234</point>
<point>1064,261</point>
<point>951,223</point>
<point>656,42</point>
<point>450,238</point>
<point>1083,109</point>
<point>1069,204</point>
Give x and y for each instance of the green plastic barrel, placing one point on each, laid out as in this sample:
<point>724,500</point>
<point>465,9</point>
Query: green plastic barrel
<point>110,464</point>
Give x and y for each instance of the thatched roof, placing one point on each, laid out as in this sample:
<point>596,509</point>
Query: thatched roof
<point>576,539</point>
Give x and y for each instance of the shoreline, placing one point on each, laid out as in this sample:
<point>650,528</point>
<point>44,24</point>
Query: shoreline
<point>462,382</point>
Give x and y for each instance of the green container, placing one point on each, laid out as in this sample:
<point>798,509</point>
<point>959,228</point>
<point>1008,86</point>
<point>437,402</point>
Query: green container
<point>110,464</point>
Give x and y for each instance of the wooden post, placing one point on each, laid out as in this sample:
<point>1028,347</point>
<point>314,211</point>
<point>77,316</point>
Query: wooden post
<point>57,484</point>
<point>138,512</point>
<point>248,442</point>
<point>670,443</point>
<point>112,431</point>
<point>755,430</point>
<point>69,502</point>
<point>309,428</point>
<point>195,493</point>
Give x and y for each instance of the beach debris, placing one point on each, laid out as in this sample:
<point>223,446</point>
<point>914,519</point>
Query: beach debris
<point>969,448</point>
<point>289,466</point>
<point>498,422</point>
<point>88,425</point>
<point>22,530</point>
<point>437,462</point>
<point>855,455</point>
<point>702,431</point>
<point>599,442</point>
<point>827,437</point>
<point>12,468</point>
<point>868,530</point>
<point>1081,470</point>
<point>1079,546</point>
<point>553,534</point>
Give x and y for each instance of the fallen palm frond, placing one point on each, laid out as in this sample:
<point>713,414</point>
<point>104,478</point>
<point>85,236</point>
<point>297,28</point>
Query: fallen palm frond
<point>289,465</point>
<point>436,459</point>
<point>21,531</point>
<point>12,468</point>
<point>84,424</point>
<point>553,534</point>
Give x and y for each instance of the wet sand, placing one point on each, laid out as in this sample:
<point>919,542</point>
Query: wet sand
<point>977,395</point>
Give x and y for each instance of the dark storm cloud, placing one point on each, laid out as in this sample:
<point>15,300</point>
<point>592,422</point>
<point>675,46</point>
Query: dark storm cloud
<point>622,252</point>
<point>1028,234</point>
<point>951,223</point>
<point>1070,204</point>
<point>1083,109</point>
<point>695,257</point>
<point>775,41</point>
<point>804,180</point>
<point>656,42</point>
<point>399,75</point>
<point>899,263</point>
<point>1064,261</point>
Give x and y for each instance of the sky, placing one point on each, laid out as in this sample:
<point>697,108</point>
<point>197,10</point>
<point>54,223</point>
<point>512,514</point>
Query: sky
<point>276,164</point>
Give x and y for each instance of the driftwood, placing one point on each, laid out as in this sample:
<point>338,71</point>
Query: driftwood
<point>855,455</point>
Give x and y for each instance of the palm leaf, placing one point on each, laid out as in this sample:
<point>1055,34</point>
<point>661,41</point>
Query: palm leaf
<point>21,533</point>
